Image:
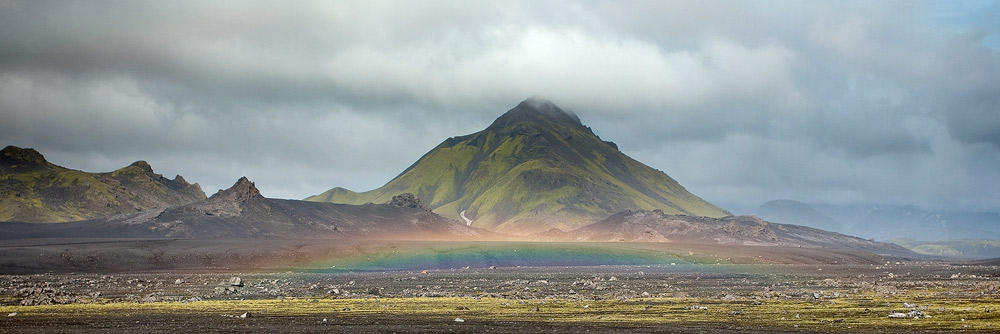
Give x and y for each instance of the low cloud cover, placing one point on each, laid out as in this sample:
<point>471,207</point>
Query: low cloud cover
<point>742,102</point>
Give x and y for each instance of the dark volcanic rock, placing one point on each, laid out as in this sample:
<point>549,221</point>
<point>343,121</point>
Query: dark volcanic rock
<point>12,155</point>
<point>407,200</point>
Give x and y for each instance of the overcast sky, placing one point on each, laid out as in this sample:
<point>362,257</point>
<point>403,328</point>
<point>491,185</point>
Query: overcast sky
<point>742,102</point>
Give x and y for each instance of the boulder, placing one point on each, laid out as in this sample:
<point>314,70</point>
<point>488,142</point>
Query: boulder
<point>236,281</point>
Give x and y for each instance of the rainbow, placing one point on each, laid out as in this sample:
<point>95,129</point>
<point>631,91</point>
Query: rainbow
<point>416,255</point>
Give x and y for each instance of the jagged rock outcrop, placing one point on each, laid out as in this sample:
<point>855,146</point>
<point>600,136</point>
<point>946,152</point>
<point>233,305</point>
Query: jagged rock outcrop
<point>407,200</point>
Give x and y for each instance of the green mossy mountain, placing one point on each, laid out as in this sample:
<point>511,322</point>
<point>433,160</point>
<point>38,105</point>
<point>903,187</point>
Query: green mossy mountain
<point>35,190</point>
<point>536,167</point>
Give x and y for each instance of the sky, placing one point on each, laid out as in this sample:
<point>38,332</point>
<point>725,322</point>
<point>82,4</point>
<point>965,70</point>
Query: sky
<point>742,102</point>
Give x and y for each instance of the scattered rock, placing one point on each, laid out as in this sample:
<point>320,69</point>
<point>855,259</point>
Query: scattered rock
<point>179,281</point>
<point>915,314</point>
<point>375,291</point>
<point>246,315</point>
<point>44,296</point>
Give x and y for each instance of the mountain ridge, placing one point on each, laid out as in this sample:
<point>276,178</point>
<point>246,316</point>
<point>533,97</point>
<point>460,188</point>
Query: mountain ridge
<point>798,213</point>
<point>33,189</point>
<point>656,226</point>
<point>241,212</point>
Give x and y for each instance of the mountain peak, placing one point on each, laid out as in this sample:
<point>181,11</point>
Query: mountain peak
<point>243,190</point>
<point>535,168</point>
<point>143,165</point>
<point>24,155</point>
<point>536,109</point>
<point>539,102</point>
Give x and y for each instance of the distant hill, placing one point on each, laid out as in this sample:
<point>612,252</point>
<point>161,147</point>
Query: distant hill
<point>967,248</point>
<point>656,226</point>
<point>241,212</point>
<point>35,190</point>
<point>885,222</point>
<point>536,167</point>
<point>794,212</point>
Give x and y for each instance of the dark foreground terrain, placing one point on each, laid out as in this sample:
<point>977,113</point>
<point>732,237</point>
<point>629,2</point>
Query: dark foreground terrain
<point>422,286</point>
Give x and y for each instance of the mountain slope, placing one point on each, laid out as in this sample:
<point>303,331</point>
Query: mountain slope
<point>241,212</point>
<point>656,226</point>
<point>536,167</point>
<point>794,212</point>
<point>35,190</point>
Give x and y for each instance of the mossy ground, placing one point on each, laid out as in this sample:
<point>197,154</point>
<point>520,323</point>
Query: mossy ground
<point>857,312</point>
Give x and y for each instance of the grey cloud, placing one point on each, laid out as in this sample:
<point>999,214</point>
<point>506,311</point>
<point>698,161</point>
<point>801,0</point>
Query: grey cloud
<point>741,101</point>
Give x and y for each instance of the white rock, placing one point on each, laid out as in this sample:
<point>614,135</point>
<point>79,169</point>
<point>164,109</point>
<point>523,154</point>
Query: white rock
<point>459,320</point>
<point>236,281</point>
